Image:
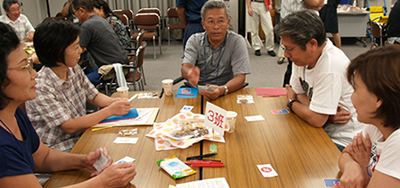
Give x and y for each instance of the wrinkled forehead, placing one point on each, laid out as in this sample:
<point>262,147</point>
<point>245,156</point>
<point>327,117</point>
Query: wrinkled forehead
<point>215,13</point>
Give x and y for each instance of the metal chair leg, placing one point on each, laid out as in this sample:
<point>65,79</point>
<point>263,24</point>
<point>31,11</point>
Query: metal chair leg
<point>154,47</point>
<point>169,37</point>
<point>144,78</point>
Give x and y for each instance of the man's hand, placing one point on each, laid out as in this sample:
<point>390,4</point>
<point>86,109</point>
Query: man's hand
<point>213,94</point>
<point>290,92</point>
<point>360,150</point>
<point>118,175</point>
<point>91,158</point>
<point>193,75</point>
<point>30,36</point>
<point>342,116</point>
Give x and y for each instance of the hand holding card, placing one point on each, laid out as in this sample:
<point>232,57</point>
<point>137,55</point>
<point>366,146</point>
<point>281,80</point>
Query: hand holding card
<point>101,161</point>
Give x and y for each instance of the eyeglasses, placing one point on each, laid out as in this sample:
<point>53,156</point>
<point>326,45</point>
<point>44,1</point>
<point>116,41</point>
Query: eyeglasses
<point>212,22</point>
<point>15,9</point>
<point>306,88</point>
<point>28,66</point>
<point>287,50</point>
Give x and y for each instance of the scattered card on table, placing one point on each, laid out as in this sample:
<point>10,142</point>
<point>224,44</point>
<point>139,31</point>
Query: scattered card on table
<point>101,161</point>
<point>332,182</point>
<point>267,170</point>
<point>254,118</point>
<point>186,108</point>
<point>125,140</point>
<point>281,111</point>
<point>125,159</point>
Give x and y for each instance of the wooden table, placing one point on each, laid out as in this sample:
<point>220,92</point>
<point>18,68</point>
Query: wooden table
<point>301,155</point>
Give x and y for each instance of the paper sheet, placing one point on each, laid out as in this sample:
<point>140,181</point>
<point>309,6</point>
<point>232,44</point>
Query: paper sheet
<point>207,183</point>
<point>147,116</point>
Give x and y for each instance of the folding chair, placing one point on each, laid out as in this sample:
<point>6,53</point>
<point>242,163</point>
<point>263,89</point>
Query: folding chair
<point>135,77</point>
<point>150,23</point>
<point>377,31</point>
<point>171,14</point>
<point>128,14</point>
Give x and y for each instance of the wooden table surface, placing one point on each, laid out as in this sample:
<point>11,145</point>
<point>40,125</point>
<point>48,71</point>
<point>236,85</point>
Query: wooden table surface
<point>301,155</point>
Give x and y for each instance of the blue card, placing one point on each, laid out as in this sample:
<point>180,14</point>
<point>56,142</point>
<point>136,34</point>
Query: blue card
<point>332,182</point>
<point>186,92</point>
<point>131,114</point>
<point>280,111</point>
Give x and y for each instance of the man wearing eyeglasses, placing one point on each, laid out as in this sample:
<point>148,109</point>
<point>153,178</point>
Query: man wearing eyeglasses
<point>217,56</point>
<point>18,21</point>
<point>319,91</point>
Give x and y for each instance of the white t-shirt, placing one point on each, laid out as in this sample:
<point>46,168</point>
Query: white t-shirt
<point>327,89</point>
<point>384,154</point>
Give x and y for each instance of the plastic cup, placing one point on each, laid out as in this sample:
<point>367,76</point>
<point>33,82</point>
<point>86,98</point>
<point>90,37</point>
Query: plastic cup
<point>231,120</point>
<point>123,92</point>
<point>167,85</point>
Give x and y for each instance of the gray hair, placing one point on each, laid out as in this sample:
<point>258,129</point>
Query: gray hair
<point>302,26</point>
<point>211,4</point>
<point>7,4</point>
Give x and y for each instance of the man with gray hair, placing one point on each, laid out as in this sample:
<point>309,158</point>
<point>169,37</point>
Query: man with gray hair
<point>217,56</point>
<point>18,21</point>
<point>318,84</point>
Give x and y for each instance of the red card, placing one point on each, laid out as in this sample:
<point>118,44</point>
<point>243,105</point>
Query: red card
<point>270,91</point>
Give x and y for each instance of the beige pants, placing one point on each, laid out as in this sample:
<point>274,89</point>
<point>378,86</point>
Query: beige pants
<point>261,12</point>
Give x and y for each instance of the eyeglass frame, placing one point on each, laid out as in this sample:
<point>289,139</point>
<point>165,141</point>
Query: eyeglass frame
<point>28,66</point>
<point>219,22</point>
<point>287,50</point>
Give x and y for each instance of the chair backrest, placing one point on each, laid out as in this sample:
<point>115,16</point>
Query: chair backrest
<point>171,13</point>
<point>150,10</point>
<point>128,13</point>
<point>124,19</point>
<point>139,39</point>
<point>146,19</point>
<point>140,55</point>
<point>376,30</point>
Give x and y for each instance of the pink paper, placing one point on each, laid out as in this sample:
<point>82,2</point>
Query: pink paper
<point>270,91</point>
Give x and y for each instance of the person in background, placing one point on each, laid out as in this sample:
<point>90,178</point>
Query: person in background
<point>59,112</point>
<point>318,87</point>
<point>393,25</point>
<point>22,152</point>
<point>372,159</point>
<point>102,9</point>
<point>217,56</point>
<point>18,21</point>
<point>329,16</point>
<point>189,14</point>
<point>258,11</point>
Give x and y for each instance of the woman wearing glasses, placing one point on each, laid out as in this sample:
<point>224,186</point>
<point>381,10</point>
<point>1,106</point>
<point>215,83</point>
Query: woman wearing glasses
<point>21,151</point>
<point>372,159</point>
<point>59,112</point>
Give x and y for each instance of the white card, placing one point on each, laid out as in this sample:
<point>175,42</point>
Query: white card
<point>186,108</point>
<point>215,118</point>
<point>101,161</point>
<point>267,170</point>
<point>125,159</point>
<point>125,140</point>
<point>254,118</point>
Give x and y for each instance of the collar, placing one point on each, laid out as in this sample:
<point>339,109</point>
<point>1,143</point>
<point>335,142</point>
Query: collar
<point>57,81</point>
<point>205,41</point>
<point>7,19</point>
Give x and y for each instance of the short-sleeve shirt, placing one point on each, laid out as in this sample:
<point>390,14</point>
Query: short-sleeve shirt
<point>384,153</point>
<point>217,66</point>
<point>192,9</point>
<point>16,155</point>
<point>327,89</point>
<point>99,38</point>
<point>22,26</point>
<point>58,101</point>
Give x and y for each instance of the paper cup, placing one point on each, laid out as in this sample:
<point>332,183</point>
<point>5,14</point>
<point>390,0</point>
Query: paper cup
<point>123,92</point>
<point>231,120</point>
<point>167,85</point>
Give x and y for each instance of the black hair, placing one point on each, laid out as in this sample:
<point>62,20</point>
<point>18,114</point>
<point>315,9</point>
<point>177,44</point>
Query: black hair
<point>7,4</point>
<point>9,42</point>
<point>85,4</point>
<point>51,39</point>
<point>107,10</point>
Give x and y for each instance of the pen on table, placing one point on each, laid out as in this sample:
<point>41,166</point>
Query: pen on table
<point>133,97</point>
<point>162,92</point>
<point>199,156</point>
<point>100,128</point>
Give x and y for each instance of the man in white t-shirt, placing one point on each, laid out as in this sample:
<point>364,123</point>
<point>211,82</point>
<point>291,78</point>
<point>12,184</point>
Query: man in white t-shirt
<point>319,88</point>
<point>18,21</point>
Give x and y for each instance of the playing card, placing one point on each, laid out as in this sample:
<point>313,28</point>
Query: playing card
<point>267,170</point>
<point>125,140</point>
<point>125,159</point>
<point>280,111</point>
<point>332,182</point>
<point>101,161</point>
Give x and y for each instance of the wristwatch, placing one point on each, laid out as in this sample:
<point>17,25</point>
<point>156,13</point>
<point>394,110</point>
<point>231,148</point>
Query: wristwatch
<point>226,90</point>
<point>290,103</point>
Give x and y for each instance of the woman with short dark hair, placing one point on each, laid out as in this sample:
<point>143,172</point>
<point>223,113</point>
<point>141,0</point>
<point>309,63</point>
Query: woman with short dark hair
<point>373,158</point>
